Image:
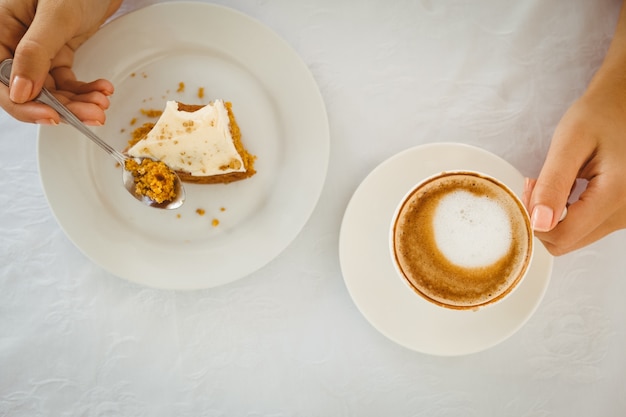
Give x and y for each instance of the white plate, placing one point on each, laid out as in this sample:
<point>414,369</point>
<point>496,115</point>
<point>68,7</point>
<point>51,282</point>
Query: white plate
<point>381,296</point>
<point>146,54</point>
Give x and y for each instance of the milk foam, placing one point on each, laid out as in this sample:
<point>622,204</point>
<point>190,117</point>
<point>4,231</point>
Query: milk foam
<point>471,231</point>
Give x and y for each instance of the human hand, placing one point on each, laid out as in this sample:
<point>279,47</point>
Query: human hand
<point>42,37</point>
<point>589,143</point>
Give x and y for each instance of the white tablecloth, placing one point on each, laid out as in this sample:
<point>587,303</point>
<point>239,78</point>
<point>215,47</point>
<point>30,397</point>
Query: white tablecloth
<point>288,340</point>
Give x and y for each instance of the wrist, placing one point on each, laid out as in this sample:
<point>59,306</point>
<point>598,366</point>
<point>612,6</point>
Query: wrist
<point>609,82</point>
<point>608,86</point>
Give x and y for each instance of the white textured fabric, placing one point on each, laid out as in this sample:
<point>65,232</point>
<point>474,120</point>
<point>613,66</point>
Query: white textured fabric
<point>288,340</point>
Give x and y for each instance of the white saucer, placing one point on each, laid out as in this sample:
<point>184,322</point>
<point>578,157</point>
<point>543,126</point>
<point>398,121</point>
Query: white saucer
<point>381,296</point>
<point>280,111</point>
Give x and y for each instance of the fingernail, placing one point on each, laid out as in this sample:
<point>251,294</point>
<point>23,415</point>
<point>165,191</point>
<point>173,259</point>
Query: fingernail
<point>92,123</point>
<point>21,89</point>
<point>48,122</point>
<point>541,219</point>
<point>526,184</point>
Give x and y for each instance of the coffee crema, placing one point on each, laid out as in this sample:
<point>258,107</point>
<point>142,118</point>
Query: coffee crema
<point>462,240</point>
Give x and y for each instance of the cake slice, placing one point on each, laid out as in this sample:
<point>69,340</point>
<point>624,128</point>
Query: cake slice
<point>201,143</point>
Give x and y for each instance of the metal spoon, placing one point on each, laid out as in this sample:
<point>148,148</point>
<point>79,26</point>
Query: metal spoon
<point>67,116</point>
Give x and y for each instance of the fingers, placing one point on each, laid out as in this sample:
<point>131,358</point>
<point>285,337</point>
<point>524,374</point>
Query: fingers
<point>65,80</point>
<point>559,247</point>
<point>38,47</point>
<point>594,215</point>
<point>565,238</point>
<point>42,36</point>
<point>88,107</point>
<point>86,100</point>
<point>30,112</point>
<point>88,113</point>
<point>56,30</point>
<point>550,193</point>
<point>567,154</point>
<point>529,186</point>
<point>94,97</point>
<point>587,144</point>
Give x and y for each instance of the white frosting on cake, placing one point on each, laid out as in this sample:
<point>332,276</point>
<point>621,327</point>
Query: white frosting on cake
<point>471,231</point>
<point>198,143</point>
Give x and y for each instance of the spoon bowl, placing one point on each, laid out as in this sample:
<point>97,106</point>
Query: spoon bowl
<point>128,177</point>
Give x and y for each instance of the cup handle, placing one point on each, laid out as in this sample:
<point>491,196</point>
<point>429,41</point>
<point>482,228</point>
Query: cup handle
<point>563,214</point>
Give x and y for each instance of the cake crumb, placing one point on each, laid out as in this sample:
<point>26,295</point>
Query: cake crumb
<point>215,223</point>
<point>181,87</point>
<point>153,179</point>
<point>133,121</point>
<point>151,112</point>
<point>201,92</point>
<point>222,208</point>
<point>178,216</point>
<point>139,133</point>
<point>200,211</point>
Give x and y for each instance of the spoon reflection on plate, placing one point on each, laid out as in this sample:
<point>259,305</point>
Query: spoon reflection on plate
<point>129,165</point>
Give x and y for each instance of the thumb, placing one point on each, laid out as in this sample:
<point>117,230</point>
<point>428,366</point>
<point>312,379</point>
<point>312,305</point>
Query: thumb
<point>49,31</point>
<point>548,197</point>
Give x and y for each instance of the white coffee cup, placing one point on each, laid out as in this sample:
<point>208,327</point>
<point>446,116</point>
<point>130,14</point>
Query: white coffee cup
<point>461,240</point>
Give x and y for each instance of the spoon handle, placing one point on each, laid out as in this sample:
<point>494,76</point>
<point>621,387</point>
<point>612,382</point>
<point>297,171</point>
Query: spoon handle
<point>66,115</point>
